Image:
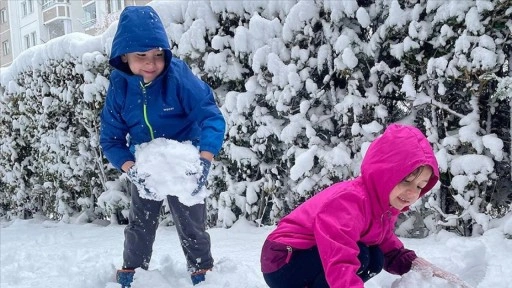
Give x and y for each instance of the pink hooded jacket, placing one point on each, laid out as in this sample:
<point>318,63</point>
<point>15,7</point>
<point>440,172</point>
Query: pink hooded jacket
<point>354,211</point>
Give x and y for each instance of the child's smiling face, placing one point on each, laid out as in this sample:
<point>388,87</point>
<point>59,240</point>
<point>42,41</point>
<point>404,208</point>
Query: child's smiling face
<point>147,64</point>
<point>408,190</point>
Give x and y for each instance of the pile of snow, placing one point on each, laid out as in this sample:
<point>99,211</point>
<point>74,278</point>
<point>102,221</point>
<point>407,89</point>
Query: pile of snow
<point>170,168</point>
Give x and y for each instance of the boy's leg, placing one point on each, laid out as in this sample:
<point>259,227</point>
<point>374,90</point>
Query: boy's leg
<point>191,226</point>
<point>139,234</point>
<point>304,270</point>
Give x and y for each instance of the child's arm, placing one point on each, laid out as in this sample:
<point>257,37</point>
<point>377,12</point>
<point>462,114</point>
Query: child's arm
<point>198,101</point>
<point>206,155</point>
<point>127,165</point>
<point>399,261</point>
<point>425,267</point>
<point>113,131</point>
<point>337,238</point>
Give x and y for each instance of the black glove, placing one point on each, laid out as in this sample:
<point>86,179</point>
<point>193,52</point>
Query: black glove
<point>202,179</point>
<point>138,179</point>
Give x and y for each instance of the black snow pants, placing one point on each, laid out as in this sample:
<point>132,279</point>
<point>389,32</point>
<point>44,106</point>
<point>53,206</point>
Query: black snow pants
<point>140,232</point>
<point>305,268</point>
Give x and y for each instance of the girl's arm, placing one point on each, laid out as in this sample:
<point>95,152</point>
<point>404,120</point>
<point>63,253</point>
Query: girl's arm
<point>337,228</point>
<point>397,259</point>
<point>426,268</point>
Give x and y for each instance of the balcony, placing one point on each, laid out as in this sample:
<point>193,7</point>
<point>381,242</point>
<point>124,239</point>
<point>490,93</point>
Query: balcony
<point>56,10</point>
<point>89,8</point>
<point>88,23</point>
<point>49,3</point>
<point>87,2</point>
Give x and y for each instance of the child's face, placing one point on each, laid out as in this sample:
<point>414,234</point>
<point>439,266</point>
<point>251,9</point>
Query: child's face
<point>408,190</point>
<point>147,64</point>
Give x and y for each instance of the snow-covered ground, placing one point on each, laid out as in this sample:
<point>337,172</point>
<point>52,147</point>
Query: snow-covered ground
<point>46,254</point>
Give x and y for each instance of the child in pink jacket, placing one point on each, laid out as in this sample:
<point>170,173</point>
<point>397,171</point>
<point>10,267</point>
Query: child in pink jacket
<point>344,235</point>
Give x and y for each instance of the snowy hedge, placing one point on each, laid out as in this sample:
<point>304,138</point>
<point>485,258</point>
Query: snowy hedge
<point>304,86</point>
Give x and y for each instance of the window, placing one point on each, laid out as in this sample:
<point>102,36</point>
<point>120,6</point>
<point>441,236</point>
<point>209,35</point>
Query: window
<point>33,38</point>
<point>115,5</point>
<point>90,15</point>
<point>3,15</point>
<point>24,9</point>
<point>30,40</point>
<point>27,7</point>
<point>46,3</point>
<point>90,11</point>
<point>30,6</point>
<point>5,48</point>
<point>26,41</point>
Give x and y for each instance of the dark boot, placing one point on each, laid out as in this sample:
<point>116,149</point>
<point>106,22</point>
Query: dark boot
<point>198,276</point>
<point>125,277</point>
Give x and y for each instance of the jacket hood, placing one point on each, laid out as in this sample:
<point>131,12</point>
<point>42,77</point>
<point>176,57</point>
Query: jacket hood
<point>392,157</point>
<point>139,29</point>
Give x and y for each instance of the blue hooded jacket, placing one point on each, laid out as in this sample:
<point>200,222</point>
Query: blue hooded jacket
<point>175,105</point>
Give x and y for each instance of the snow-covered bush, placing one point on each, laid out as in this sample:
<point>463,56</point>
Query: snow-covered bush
<point>51,160</point>
<point>304,87</point>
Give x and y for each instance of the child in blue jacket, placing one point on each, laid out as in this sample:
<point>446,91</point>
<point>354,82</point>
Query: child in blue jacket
<point>152,95</point>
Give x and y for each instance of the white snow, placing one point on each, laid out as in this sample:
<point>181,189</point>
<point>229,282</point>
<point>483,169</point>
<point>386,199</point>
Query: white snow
<point>303,163</point>
<point>46,254</point>
<point>363,17</point>
<point>349,58</point>
<point>170,168</point>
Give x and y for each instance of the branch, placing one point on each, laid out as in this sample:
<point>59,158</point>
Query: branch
<point>442,106</point>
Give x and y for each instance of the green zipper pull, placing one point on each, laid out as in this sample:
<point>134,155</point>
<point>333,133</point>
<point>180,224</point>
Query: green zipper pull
<point>143,87</point>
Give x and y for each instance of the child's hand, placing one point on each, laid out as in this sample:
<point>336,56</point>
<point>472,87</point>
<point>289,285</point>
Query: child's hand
<point>424,267</point>
<point>205,164</point>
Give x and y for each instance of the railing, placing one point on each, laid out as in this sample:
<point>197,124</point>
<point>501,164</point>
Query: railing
<point>49,3</point>
<point>88,23</point>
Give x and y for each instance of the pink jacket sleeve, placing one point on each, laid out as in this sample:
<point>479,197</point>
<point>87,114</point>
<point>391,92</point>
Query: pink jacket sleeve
<point>337,229</point>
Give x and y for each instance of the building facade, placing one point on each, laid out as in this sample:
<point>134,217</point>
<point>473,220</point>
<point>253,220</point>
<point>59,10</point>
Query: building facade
<point>5,34</point>
<point>26,23</point>
<point>99,14</point>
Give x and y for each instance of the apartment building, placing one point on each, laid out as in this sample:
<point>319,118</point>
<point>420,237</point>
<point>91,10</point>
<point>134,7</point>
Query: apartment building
<point>5,35</point>
<point>99,14</point>
<point>26,23</point>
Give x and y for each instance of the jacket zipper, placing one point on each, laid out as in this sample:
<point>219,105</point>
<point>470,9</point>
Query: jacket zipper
<point>143,87</point>
<point>289,255</point>
<point>384,217</point>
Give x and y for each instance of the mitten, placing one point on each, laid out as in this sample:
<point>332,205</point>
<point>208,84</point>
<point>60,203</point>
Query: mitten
<point>205,164</point>
<point>426,268</point>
